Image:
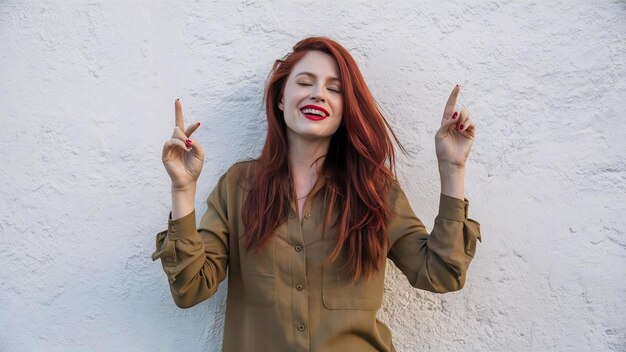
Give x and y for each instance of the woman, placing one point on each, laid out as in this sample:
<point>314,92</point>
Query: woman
<point>306,228</point>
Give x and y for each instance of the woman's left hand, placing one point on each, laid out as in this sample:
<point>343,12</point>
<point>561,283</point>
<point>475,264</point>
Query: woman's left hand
<point>454,139</point>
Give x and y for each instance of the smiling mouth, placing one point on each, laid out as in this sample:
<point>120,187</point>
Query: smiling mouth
<point>313,112</point>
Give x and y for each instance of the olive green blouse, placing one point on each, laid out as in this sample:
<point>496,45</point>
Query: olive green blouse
<point>283,299</point>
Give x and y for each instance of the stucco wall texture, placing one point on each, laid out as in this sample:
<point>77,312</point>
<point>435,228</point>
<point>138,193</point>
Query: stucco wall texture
<point>87,95</point>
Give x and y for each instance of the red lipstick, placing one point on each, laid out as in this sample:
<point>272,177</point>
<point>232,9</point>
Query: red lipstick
<point>315,117</point>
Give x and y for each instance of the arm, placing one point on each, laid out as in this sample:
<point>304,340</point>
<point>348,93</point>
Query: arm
<point>195,260</point>
<point>438,261</point>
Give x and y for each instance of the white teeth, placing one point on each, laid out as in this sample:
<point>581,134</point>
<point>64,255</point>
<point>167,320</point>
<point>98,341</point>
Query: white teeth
<point>313,111</point>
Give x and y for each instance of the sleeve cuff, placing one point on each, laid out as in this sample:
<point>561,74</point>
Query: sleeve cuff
<point>183,227</point>
<point>453,208</point>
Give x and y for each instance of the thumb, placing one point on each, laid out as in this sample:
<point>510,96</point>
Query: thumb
<point>447,123</point>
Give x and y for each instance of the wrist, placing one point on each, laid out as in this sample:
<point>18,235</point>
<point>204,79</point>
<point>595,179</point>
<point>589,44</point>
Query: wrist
<point>450,168</point>
<point>183,201</point>
<point>452,180</point>
<point>188,189</point>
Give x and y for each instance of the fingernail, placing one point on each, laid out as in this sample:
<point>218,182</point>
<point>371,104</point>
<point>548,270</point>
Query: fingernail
<point>198,123</point>
<point>454,115</point>
<point>177,99</point>
<point>188,141</point>
<point>461,128</point>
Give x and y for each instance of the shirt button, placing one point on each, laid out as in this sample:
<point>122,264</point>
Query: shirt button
<point>298,248</point>
<point>300,327</point>
<point>291,215</point>
<point>307,215</point>
<point>299,287</point>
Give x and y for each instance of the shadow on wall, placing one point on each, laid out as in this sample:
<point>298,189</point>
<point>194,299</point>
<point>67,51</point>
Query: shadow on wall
<point>240,117</point>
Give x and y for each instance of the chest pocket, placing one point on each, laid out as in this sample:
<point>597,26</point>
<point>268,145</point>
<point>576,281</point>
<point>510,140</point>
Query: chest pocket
<point>338,291</point>
<point>257,274</point>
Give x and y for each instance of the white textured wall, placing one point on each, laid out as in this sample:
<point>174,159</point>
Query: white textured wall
<point>87,95</point>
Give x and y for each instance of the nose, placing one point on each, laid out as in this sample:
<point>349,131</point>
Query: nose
<point>317,94</point>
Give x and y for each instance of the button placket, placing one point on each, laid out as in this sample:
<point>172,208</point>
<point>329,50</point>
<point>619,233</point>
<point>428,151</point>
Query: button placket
<point>299,303</point>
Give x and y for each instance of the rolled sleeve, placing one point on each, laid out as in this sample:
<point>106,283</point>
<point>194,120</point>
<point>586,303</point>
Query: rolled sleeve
<point>452,208</point>
<point>184,227</point>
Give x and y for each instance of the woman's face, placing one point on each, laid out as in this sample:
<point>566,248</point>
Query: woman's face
<point>312,100</point>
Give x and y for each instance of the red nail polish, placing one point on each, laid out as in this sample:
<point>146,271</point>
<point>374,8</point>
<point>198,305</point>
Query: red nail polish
<point>188,141</point>
<point>460,127</point>
<point>454,115</point>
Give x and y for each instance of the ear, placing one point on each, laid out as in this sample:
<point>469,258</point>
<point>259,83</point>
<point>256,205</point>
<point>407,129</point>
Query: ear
<point>281,105</point>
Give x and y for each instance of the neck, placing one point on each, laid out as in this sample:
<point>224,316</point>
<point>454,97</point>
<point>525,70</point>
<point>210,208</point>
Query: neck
<point>303,154</point>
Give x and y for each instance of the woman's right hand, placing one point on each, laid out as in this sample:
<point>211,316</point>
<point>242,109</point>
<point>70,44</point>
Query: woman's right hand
<point>182,157</point>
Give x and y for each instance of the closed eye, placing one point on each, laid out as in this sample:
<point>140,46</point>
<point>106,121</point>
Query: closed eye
<point>331,89</point>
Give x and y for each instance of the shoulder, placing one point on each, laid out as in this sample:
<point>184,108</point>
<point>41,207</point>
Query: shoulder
<point>394,190</point>
<point>239,174</point>
<point>241,167</point>
<point>397,199</point>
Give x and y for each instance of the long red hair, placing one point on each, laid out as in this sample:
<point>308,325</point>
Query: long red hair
<point>359,167</point>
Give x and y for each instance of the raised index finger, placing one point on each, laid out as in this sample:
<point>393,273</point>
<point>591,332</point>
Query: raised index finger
<point>447,112</point>
<point>179,114</point>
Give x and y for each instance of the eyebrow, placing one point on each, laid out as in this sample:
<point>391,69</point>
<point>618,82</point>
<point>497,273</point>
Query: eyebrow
<point>313,75</point>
